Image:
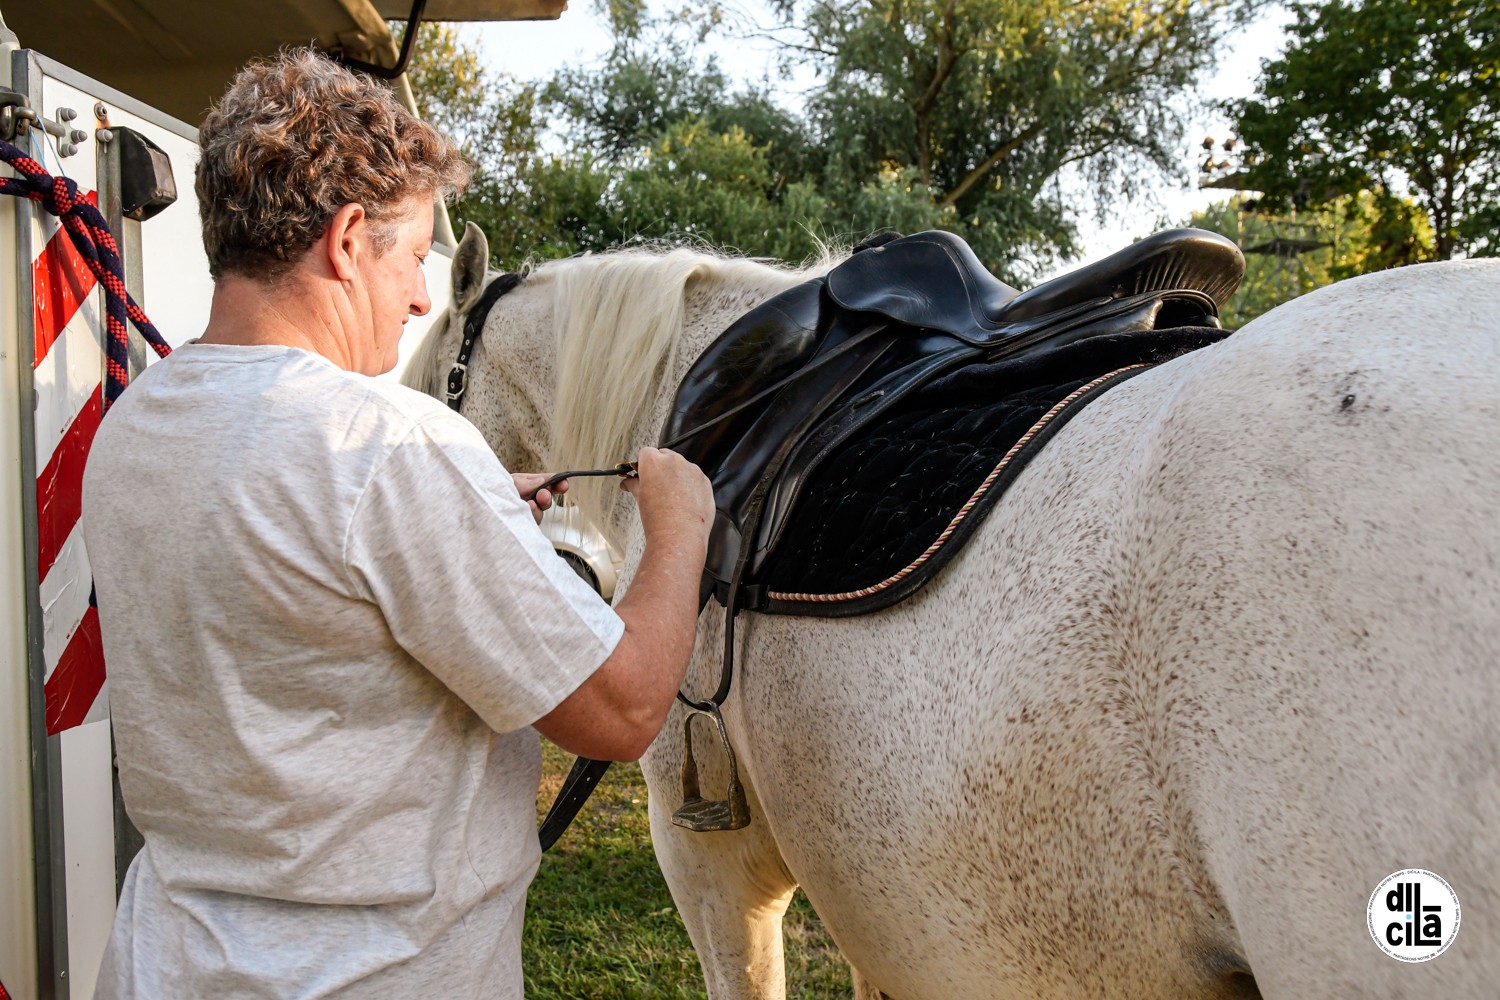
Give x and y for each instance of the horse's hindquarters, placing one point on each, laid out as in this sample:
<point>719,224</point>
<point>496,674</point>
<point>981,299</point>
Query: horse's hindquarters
<point>960,784</point>
<point>1324,511</point>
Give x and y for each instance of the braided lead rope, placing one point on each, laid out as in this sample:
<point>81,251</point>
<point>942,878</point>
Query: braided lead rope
<point>963,511</point>
<point>96,245</point>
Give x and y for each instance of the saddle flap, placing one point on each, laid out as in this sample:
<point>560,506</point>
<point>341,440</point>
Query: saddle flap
<point>741,478</point>
<point>837,428</point>
<point>716,401</point>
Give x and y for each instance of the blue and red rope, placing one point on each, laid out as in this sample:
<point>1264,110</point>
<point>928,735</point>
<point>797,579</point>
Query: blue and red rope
<point>96,244</point>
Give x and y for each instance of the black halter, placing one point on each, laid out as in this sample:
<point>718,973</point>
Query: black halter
<point>458,378</point>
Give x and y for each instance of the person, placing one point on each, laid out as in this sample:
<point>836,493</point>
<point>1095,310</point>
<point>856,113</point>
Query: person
<point>332,625</point>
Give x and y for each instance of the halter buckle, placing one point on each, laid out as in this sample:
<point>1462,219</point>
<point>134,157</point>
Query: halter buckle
<point>458,382</point>
<point>709,815</point>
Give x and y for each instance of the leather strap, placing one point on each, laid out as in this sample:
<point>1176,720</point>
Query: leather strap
<point>458,378</point>
<point>575,792</point>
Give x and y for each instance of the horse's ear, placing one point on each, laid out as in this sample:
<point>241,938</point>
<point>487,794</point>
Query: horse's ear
<point>471,262</point>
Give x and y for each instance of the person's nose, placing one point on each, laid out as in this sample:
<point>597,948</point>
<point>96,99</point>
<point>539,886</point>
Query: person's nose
<point>421,302</point>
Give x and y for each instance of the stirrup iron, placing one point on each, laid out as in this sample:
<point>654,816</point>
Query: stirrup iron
<point>708,815</point>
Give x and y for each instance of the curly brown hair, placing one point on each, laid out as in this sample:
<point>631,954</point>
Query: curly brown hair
<point>293,140</point>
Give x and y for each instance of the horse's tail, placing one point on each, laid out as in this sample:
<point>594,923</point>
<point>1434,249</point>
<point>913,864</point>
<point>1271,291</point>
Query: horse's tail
<point>424,371</point>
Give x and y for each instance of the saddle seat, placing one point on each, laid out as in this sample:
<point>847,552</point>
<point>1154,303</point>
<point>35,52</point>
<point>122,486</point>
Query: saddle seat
<point>807,369</point>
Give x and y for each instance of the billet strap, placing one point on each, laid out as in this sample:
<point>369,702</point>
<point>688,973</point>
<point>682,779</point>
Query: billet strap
<point>458,378</point>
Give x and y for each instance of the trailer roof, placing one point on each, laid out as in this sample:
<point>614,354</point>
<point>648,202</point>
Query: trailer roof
<point>178,55</point>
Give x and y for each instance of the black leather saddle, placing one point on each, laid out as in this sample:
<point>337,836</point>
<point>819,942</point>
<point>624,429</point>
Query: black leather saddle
<point>807,369</point>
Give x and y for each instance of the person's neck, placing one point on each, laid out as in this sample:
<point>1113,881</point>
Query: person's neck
<point>249,313</point>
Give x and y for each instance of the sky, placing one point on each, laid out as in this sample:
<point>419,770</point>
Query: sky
<point>534,50</point>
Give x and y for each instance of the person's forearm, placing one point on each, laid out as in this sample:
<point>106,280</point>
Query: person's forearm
<point>619,711</point>
<point>660,611</point>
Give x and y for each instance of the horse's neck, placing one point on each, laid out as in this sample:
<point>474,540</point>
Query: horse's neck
<point>710,294</point>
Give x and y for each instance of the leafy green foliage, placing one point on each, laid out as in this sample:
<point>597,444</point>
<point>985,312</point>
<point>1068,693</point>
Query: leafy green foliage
<point>928,114</point>
<point>526,200</point>
<point>1389,98</point>
<point>1352,235</point>
<point>689,156</point>
<point>718,187</point>
<point>989,102</point>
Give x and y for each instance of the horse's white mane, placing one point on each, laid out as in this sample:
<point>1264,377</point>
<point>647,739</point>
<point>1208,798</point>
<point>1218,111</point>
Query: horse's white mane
<point>618,323</point>
<point>422,371</point>
<point>619,319</point>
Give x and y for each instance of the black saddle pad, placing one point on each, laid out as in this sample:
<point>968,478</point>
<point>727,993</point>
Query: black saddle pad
<point>881,500</point>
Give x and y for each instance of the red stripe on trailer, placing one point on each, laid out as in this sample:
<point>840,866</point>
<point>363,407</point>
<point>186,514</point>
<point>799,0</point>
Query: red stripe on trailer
<point>74,686</point>
<point>60,282</point>
<point>59,489</point>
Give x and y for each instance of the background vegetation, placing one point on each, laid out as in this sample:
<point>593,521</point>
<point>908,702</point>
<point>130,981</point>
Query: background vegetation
<point>927,113</point>
<point>1393,101</point>
<point>1002,120</point>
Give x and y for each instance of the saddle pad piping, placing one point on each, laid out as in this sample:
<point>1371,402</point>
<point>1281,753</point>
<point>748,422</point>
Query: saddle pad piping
<point>963,512</point>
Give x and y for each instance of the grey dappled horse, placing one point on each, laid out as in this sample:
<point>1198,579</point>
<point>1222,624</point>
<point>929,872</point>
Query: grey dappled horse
<point>1223,658</point>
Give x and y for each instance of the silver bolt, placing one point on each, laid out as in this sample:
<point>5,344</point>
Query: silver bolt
<point>66,149</point>
<point>66,114</point>
<point>104,135</point>
<point>78,135</point>
<point>100,111</point>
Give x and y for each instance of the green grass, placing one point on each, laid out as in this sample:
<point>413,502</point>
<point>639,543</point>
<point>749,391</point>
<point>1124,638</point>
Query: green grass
<point>600,924</point>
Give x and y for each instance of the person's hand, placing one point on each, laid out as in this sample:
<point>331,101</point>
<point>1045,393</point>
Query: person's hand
<point>675,498</point>
<point>528,481</point>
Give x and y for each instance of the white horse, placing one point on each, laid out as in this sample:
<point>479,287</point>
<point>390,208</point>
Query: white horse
<point>1225,656</point>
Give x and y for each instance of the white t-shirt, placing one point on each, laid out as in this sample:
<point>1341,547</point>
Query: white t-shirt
<point>329,622</point>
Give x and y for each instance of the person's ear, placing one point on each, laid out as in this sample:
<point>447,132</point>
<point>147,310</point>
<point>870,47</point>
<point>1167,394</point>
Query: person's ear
<point>346,237</point>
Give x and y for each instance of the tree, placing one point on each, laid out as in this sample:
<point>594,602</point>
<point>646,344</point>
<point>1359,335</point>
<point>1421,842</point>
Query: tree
<point>690,153</point>
<point>954,115</point>
<point>1388,98</point>
<point>984,104</point>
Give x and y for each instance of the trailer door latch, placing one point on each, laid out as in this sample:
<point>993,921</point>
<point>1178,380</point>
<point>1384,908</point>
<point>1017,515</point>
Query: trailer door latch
<point>16,114</point>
